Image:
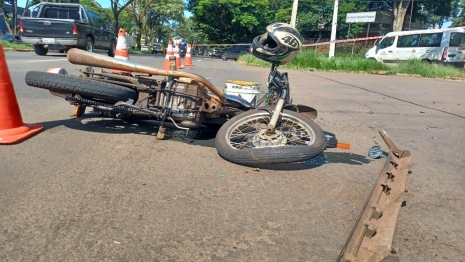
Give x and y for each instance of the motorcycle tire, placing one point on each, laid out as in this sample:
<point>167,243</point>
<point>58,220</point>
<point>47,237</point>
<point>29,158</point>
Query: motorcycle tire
<point>273,154</point>
<point>79,86</point>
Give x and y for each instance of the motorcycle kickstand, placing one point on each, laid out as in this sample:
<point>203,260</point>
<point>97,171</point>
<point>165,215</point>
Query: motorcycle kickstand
<point>162,129</point>
<point>79,109</point>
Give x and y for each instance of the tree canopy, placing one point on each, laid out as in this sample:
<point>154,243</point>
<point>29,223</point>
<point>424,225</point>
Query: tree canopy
<point>232,21</point>
<point>239,21</point>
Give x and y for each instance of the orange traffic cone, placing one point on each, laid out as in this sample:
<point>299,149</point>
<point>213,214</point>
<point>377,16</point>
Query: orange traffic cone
<point>178,59</point>
<point>169,52</point>
<point>12,128</point>
<point>188,59</point>
<point>121,51</point>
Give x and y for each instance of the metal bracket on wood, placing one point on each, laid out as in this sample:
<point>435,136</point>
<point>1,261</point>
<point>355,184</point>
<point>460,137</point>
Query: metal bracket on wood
<point>372,236</point>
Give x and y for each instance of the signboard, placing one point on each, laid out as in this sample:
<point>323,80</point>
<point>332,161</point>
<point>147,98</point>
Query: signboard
<point>364,17</point>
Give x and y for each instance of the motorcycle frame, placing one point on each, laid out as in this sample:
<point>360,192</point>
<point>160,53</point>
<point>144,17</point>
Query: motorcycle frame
<point>278,84</point>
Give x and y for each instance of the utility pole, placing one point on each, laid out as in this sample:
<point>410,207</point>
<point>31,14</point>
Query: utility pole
<point>332,46</point>
<point>294,12</point>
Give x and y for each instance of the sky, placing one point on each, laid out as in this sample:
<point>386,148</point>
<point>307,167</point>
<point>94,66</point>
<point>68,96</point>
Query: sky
<point>106,4</point>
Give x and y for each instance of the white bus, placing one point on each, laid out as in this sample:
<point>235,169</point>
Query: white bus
<point>444,46</point>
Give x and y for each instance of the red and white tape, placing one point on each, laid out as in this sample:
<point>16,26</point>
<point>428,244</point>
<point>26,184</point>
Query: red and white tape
<point>378,37</point>
<point>342,40</point>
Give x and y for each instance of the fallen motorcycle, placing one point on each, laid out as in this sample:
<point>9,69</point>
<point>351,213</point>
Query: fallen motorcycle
<point>273,130</point>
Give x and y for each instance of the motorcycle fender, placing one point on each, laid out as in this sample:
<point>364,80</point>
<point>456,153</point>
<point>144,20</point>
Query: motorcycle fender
<point>304,110</point>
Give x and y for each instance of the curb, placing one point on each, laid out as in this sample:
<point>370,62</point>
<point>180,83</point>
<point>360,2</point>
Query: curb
<point>18,50</point>
<point>455,78</point>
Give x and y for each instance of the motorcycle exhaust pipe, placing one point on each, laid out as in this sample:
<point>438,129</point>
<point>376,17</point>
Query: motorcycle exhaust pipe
<point>81,57</point>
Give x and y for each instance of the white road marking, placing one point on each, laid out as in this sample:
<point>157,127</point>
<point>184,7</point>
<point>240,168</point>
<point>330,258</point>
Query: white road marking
<point>33,61</point>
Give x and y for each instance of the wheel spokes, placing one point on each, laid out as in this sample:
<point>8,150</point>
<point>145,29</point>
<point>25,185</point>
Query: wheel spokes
<point>252,133</point>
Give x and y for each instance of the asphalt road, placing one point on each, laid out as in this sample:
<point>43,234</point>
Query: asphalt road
<point>96,189</point>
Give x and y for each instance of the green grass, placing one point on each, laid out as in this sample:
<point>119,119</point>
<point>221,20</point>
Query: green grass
<point>138,52</point>
<point>8,45</point>
<point>417,67</point>
<point>309,59</point>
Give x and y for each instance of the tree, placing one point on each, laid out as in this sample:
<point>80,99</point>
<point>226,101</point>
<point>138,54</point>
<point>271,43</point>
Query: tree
<point>93,6</point>
<point>4,6</point>
<point>231,21</point>
<point>439,11</point>
<point>400,9</point>
<point>459,13</point>
<point>167,15</point>
<point>138,10</point>
<point>317,15</point>
<point>434,11</point>
<point>116,9</point>
<point>152,17</point>
<point>190,32</point>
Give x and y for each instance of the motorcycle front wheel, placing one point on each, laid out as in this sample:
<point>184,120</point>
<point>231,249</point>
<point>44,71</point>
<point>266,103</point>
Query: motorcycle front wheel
<point>243,139</point>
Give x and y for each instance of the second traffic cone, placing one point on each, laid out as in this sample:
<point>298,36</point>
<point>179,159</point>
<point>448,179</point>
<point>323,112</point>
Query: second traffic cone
<point>188,59</point>
<point>178,59</point>
<point>12,128</point>
<point>121,51</point>
<point>169,52</point>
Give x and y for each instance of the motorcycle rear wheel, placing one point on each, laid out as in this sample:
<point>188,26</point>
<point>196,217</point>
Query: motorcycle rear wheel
<point>242,139</point>
<point>74,85</point>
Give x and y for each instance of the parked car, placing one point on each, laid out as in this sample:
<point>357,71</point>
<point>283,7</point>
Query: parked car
<point>235,51</point>
<point>216,51</point>
<point>144,48</point>
<point>158,48</point>
<point>62,26</point>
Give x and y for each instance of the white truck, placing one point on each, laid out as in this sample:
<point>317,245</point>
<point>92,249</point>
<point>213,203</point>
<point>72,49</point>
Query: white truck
<point>444,46</point>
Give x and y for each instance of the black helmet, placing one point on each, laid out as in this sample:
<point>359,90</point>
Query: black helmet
<point>279,45</point>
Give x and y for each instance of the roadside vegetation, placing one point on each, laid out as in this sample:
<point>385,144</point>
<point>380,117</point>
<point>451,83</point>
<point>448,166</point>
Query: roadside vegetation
<point>138,52</point>
<point>16,47</point>
<point>311,60</point>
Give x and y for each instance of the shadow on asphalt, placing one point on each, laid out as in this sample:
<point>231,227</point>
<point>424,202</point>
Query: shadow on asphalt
<point>54,55</point>
<point>202,137</point>
<point>327,158</point>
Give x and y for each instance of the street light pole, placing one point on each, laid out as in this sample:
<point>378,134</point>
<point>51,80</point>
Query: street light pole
<point>294,12</point>
<point>332,46</point>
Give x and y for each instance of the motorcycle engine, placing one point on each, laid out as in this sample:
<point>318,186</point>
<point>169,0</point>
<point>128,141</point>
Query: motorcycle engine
<point>187,100</point>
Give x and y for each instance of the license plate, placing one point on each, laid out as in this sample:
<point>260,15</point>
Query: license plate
<point>48,40</point>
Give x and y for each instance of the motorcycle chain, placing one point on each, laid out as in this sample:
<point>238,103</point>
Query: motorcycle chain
<point>88,102</point>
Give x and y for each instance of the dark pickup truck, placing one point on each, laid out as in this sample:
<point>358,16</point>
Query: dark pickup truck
<point>235,51</point>
<point>62,26</point>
